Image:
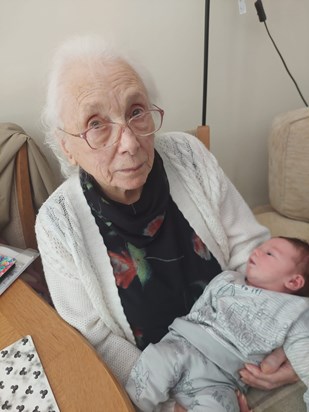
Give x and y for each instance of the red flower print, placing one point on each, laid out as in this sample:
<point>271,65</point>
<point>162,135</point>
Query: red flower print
<point>154,226</point>
<point>199,248</point>
<point>124,268</point>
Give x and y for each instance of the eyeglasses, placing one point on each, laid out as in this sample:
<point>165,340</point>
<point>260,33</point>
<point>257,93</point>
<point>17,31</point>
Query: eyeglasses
<point>102,135</point>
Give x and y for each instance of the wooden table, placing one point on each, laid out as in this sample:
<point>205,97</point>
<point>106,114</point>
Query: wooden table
<point>80,381</point>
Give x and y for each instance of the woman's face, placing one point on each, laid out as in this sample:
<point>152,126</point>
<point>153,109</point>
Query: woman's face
<point>111,93</point>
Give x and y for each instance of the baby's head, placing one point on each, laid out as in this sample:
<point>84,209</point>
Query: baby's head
<point>280,264</point>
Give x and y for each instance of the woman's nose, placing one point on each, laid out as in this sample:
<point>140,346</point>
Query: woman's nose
<point>128,140</point>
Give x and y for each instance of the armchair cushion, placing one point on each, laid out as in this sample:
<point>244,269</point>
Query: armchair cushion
<point>280,225</point>
<point>288,398</point>
<point>289,164</point>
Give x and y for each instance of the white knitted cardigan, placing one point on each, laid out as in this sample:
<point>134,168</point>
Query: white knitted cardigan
<point>75,260</point>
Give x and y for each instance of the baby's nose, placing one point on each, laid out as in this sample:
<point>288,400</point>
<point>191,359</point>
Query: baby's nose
<point>257,252</point>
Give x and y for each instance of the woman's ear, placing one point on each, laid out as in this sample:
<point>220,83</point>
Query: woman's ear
<point>295,282</point>
<point>65,148</point>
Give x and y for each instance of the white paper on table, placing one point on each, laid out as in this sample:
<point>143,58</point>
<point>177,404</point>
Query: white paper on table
<point>23,384</point>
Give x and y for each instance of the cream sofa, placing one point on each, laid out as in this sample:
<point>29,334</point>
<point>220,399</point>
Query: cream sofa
<point>287,214</point>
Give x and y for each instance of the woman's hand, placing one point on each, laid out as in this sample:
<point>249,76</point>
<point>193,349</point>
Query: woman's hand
<point>179,408</point>
<point>274,371</point>
<point>242,402</point>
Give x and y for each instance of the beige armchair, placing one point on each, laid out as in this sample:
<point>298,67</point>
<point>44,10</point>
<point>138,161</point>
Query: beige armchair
<point>287,214</point>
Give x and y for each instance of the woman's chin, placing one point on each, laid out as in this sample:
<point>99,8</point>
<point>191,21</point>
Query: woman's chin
<point>127,195</point>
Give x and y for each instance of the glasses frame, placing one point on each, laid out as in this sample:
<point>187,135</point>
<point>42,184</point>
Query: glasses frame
<point>125,125</point>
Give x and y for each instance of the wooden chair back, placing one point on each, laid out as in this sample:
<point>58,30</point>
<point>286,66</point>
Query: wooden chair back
<point>19,232</point>
<point>203,134</point>
<point>24,197</point>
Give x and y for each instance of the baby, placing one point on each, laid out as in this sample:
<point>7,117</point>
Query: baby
<point>238,319</point>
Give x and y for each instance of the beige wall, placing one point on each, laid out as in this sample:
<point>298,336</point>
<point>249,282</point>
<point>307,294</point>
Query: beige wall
<point>247,82</point>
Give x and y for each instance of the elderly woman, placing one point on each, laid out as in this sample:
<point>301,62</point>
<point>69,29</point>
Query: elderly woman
<point>142,223</point>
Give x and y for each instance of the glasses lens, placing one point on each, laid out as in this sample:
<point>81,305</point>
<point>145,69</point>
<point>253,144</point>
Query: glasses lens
<point>106,134</point>
<point>146,123</point>
<point>102,135</point>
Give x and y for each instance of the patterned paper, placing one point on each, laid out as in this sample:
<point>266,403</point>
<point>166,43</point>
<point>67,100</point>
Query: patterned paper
<point>23,384</point>
<point>6,263</point>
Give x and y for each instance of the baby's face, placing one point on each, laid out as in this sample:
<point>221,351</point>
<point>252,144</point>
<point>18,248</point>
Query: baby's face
<point>271,264</point>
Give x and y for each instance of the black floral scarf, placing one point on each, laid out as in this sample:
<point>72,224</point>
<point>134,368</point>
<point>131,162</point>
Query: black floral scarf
<point>160,265</point>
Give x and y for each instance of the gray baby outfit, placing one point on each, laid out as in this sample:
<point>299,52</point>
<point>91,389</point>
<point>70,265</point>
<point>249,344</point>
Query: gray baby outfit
<point>198,361</point>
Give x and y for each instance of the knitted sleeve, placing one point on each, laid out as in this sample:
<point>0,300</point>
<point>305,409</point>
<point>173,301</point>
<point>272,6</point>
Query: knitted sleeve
<point>57,236</point>
<point>243,231</point>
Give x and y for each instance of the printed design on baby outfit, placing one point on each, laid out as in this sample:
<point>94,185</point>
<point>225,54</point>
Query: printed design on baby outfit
<point>247,312</point>
<point>23,384</point>
<point>181,380</point>
<point>223,397</point>
<point>140,377</point>
<point>185,384</point>
<point>251,324</point>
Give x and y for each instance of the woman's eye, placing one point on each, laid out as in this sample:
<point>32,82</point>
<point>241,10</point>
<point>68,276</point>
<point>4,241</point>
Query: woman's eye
<point>95,124</point>
<point>137,112</point>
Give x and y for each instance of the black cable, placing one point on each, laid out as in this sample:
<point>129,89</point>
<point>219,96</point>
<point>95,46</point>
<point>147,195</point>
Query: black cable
<point>262,17</point>
<point>286,67</point>
<point>205,74</point>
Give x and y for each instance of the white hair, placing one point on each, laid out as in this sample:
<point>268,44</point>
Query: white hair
<point>88,50</point>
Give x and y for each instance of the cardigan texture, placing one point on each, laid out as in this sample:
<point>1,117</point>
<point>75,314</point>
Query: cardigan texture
<point>76,264</point>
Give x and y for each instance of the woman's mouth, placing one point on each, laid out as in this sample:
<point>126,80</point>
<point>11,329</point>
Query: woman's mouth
<point>131,169</point>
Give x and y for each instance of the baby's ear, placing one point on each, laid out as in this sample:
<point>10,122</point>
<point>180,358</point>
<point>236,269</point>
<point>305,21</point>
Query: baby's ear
<point>295,282</point>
